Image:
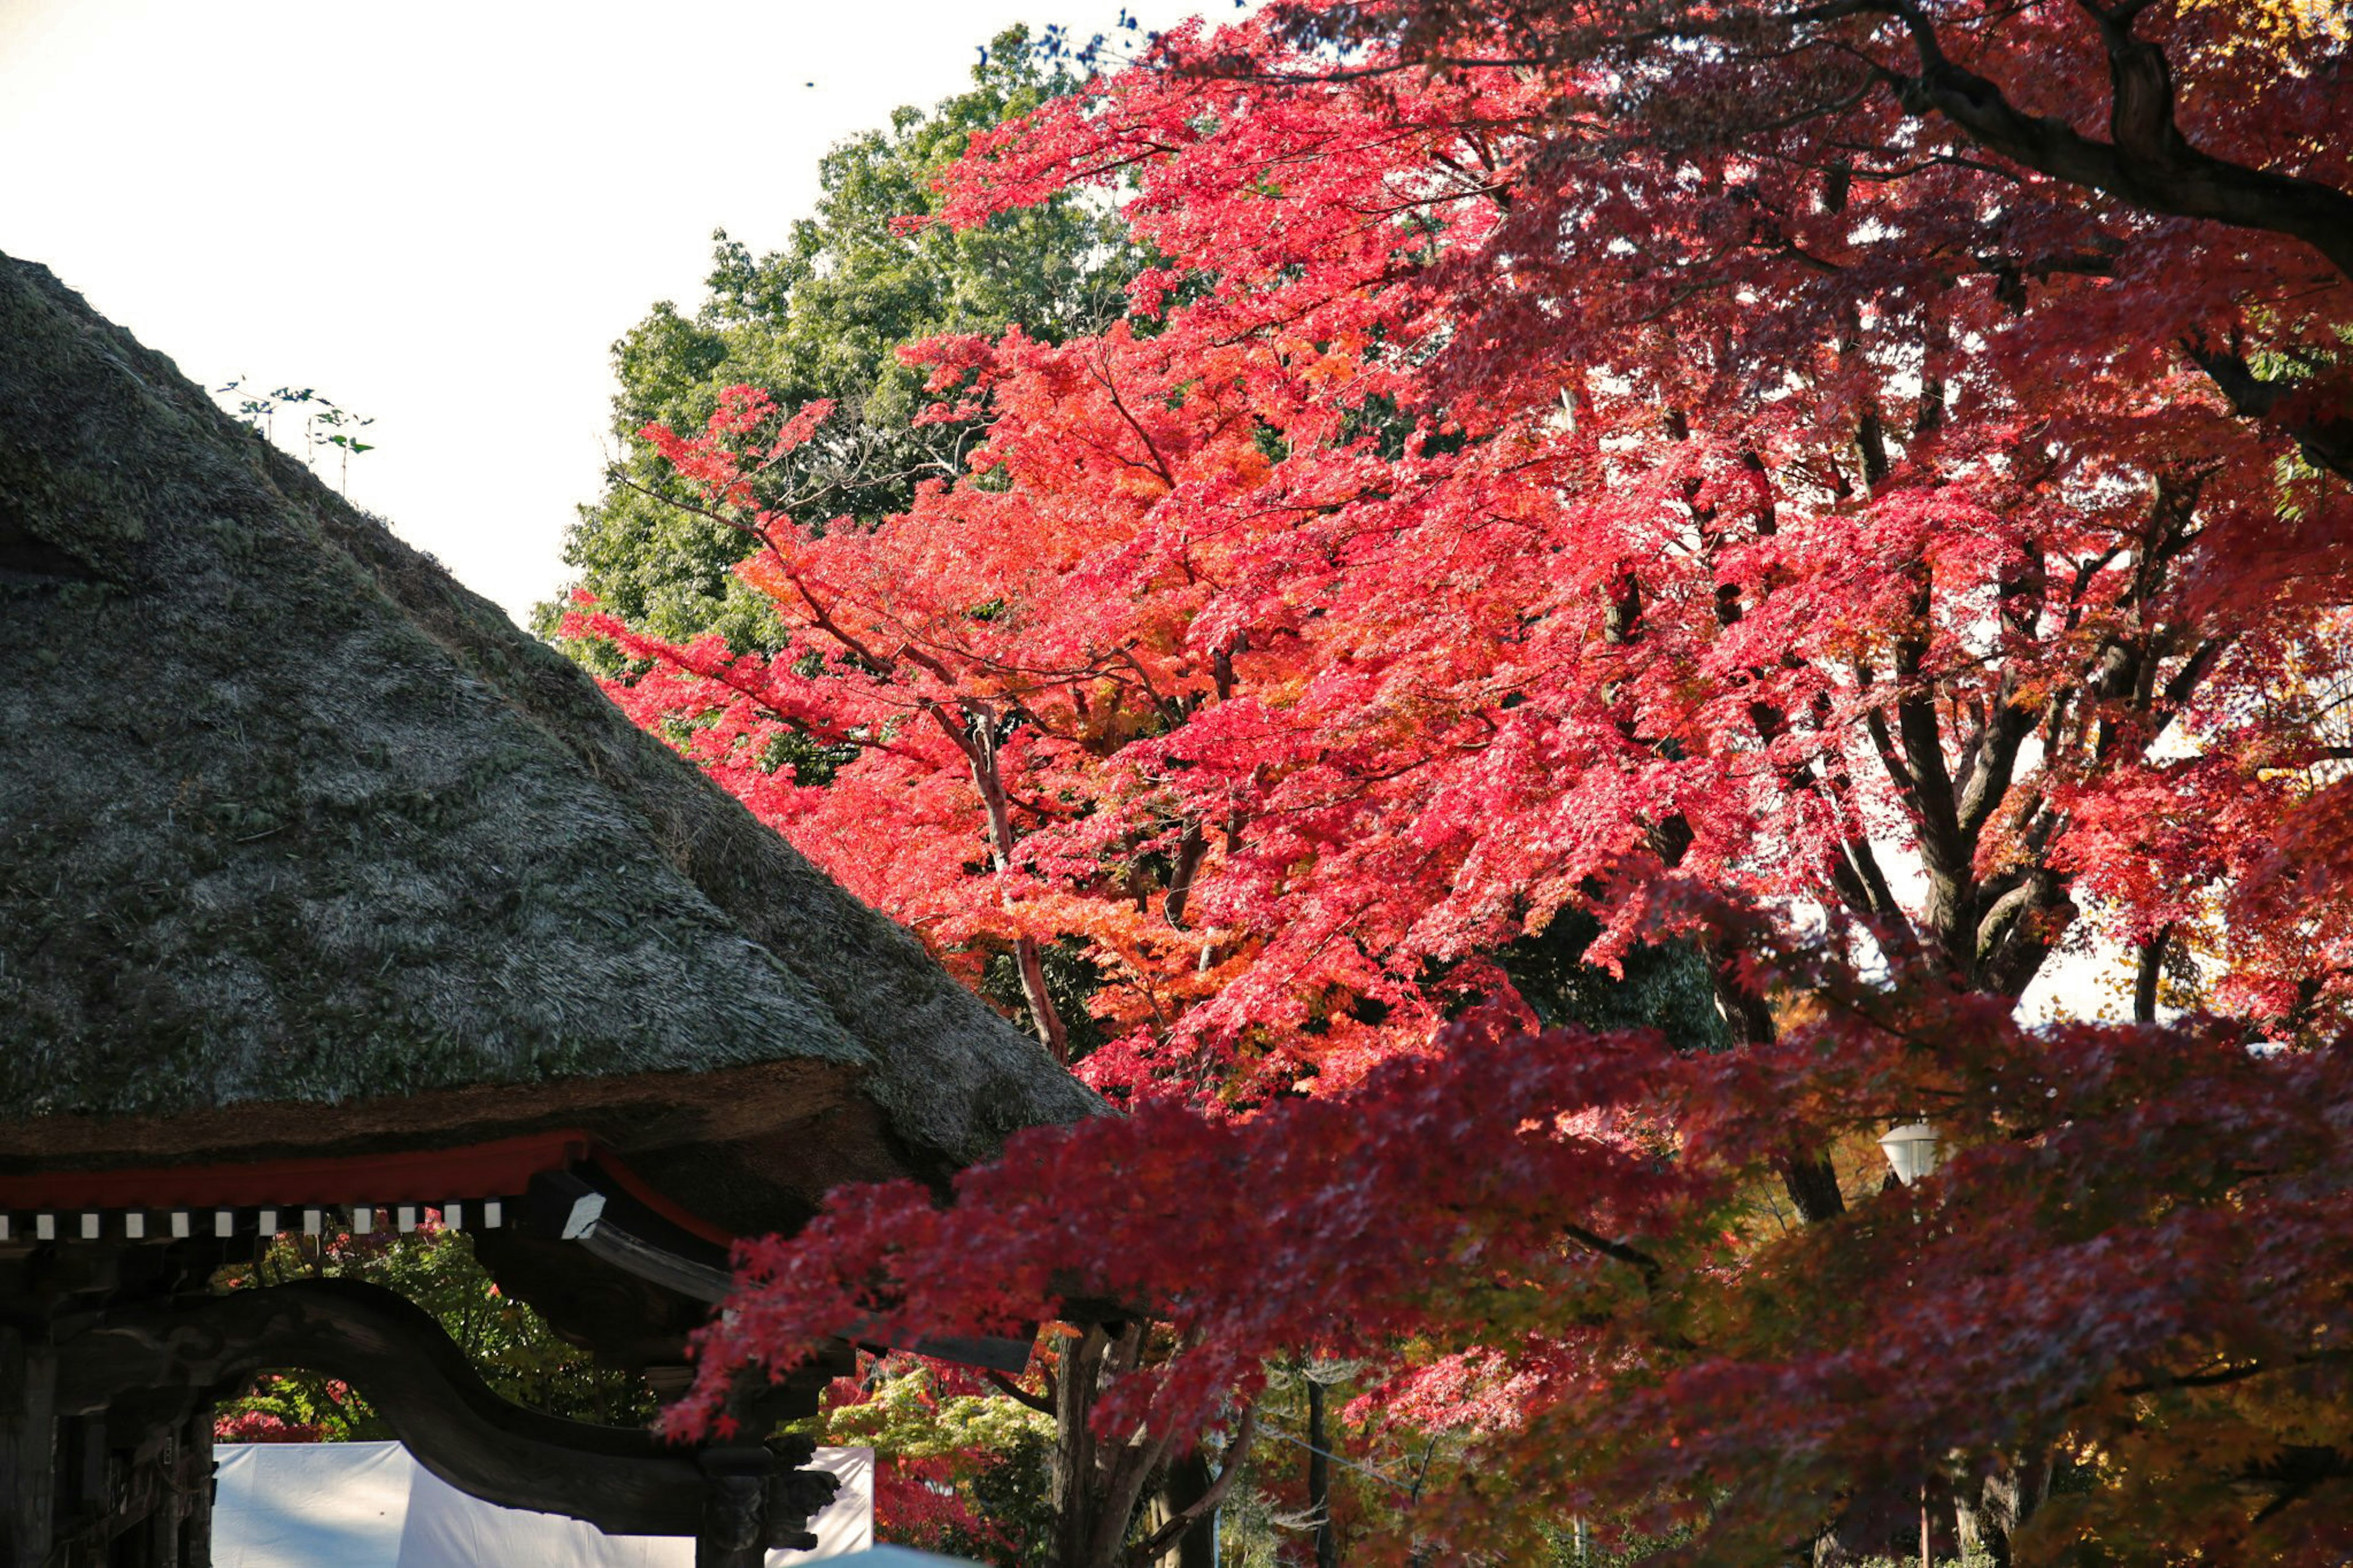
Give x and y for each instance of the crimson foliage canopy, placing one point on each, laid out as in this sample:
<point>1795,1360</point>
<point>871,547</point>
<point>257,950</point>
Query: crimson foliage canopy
<point>1857,488</point>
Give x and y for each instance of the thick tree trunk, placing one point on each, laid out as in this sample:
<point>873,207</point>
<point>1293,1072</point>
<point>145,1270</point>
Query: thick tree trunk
<point>2147,162</point>
<point>1187,1484</point>
<point>1807,1174</point>
<point>1076,1473</point>
<point>1989,1507</point>
<point>1319,1480</point>
<point>1099,1491</point>
<point>1190,847</point>
<point>1073,1460</point>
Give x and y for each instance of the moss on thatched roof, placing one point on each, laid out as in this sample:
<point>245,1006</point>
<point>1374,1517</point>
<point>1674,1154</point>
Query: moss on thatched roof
<point>287,815</point>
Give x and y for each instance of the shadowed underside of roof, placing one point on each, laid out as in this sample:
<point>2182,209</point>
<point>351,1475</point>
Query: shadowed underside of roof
<point>289,818</point>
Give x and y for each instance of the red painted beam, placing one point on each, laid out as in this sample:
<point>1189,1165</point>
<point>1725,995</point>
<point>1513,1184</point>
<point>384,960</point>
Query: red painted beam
<point>654,1198</point>
<point>499,1169</point>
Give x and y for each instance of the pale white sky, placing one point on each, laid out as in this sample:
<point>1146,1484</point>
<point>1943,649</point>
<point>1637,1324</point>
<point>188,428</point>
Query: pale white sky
<point>441,216</point>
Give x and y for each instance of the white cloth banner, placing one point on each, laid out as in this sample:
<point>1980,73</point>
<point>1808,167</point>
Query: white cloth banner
<point>370,1505</point>
<point>280,1504</point>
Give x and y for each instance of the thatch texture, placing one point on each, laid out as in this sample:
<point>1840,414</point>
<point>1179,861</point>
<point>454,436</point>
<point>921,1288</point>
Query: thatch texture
<point>289,818</point>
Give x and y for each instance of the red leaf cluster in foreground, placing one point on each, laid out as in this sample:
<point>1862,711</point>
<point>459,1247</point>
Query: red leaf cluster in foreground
<point>2138,1235</point>
<point>1858,488</point>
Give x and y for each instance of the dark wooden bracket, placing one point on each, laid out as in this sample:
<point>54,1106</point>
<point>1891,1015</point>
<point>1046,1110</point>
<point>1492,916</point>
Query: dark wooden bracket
<point>567,1207</point>
<point>564,1205</point>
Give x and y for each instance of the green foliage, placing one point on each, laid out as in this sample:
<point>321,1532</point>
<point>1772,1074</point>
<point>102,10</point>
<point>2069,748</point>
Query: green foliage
<point>961,1473</point>
<point>1664,987</point>
<point>510,1346</point>
<point>1573,1548</point>
<point>824,318</point>
<point>1072,980</point>
<point>1014,1490</point>
<point>811,762</point>
<point>906,1415</point>
<point>325,423</point>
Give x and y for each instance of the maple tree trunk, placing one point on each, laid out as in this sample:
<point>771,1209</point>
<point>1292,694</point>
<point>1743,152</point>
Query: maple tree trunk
<point>2151,969</point>
<point>1989,1509</point>
<point>2148,163</point>
<point>1188,1483</point>
<point>1319,1480</point>
<point>1097,1487</point>
<point>1807,1174</point>
<point>1190,848</point>
<point>1074,1466</point>
<point>1051,1032</point>
<point>980,750</point>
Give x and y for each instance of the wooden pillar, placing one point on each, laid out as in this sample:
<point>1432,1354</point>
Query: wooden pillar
<point>177,1532</point>
<point>28,1441</point>
<point>734,1530</point>
<point>757,1496</point>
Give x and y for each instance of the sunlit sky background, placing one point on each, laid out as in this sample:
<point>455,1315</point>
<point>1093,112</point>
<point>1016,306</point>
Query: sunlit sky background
<point>441,216</point>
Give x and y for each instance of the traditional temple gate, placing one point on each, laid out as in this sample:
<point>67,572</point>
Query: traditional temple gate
<point>327,897</point>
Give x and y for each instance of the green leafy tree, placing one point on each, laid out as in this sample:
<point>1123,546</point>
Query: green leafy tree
<point>511,1347</point>
<point>958,1469</point>
<point>824,317</point>
<point>1666,987</point>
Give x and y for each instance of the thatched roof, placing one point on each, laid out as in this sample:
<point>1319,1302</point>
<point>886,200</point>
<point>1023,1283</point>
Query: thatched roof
<point>290,819</point>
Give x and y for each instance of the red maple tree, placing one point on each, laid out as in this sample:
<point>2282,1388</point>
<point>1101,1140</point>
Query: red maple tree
<point>1858,488</point>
